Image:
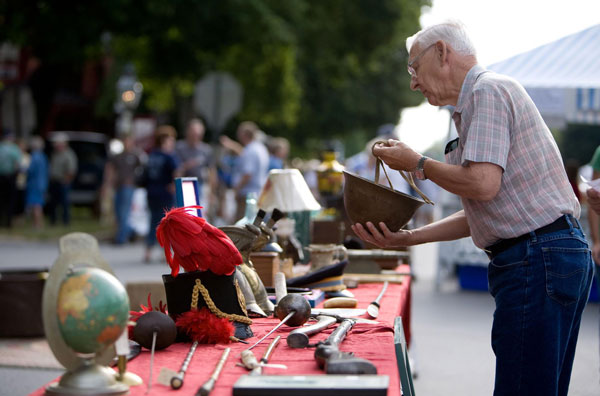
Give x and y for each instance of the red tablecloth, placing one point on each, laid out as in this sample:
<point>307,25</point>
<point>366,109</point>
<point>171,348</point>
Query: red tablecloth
<point>368,341</point>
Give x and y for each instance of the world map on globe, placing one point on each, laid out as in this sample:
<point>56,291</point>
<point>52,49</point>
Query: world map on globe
<point>92,309</point>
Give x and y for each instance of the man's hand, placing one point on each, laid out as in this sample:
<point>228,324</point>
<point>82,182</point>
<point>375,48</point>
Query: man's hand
<point>384,239</point>
<point>593,198</point>
<point>397,155</point>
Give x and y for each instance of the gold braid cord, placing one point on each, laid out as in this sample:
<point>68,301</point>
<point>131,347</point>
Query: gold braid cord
<point>199,288</point>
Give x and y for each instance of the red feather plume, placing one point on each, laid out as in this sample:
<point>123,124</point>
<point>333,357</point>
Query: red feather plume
<point>194,244</point>
<point>205,327</point>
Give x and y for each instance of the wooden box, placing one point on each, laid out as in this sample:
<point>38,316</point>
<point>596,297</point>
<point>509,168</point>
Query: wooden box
<point>266,265</point>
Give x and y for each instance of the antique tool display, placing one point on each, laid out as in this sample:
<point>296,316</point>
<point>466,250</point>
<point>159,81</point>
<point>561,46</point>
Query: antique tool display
<point>176,381</point>
<point>208,386</point>
<point>265,359</point>
<point>292,310</point>
<point>326,317</point>
<point>330,358</point>
<point>85,310</point>
<point>299,338</point>
<point>373,308</point>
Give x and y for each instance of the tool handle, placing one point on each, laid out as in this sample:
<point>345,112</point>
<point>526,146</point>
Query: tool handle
<point>260,215</point>
<point>270,349</point>
<point>330,347</point>
<point>338,335</point>
<point>381,293</point>
<point>208,386</point>
<point>280,286</point>
<point>298,338</point>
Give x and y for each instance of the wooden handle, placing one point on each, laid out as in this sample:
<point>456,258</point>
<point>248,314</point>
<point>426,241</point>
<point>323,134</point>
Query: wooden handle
<point>280,286</point>
<point>340,302</point>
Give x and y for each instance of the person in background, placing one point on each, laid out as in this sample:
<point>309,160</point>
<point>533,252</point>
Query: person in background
<point>21,180</point>
<point>10,159</point>
<point>37,182</point>
<point>197,159</point>
<point>250,173</point>
<point>120,174</point>
<point>279,148</point>
<point>593,200</point>
<point>63,168</point>
<point>161,170</point>
<point>518,206</point>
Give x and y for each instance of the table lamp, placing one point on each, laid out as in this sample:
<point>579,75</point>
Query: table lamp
<point>287,191</point>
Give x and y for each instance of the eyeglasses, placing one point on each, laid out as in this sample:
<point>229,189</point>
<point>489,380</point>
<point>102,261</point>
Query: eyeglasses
<point>410,68</point>
<point>451,146</point>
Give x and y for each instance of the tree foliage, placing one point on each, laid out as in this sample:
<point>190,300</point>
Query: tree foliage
<point>308,67</point>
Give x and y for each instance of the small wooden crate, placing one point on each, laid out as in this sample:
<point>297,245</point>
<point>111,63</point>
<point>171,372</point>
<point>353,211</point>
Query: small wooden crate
<point>266,265</point>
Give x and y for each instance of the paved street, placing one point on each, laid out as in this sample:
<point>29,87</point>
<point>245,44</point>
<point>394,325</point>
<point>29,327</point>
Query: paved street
<point>450,327</point>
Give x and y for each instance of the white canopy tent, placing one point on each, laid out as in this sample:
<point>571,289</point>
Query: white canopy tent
<point>562,77</point>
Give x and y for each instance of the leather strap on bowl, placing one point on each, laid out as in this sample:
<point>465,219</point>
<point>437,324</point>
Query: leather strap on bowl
<point>407,176</point>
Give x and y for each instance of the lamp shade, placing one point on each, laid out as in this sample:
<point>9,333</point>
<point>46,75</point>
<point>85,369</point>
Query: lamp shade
<point>287,191</point>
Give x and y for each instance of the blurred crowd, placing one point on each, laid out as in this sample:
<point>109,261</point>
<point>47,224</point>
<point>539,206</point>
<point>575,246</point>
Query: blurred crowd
<point>138,185</point>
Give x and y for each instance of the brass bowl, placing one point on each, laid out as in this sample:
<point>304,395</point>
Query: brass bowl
<point>365,201</point>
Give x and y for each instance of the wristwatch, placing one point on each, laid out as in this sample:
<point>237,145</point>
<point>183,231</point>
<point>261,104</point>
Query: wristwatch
<point>420,172</point>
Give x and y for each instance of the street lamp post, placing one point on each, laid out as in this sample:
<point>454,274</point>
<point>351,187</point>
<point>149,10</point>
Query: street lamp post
<point>129,94</point>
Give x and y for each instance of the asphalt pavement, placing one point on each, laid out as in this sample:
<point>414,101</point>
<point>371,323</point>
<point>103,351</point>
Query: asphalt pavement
<point>451,327</point>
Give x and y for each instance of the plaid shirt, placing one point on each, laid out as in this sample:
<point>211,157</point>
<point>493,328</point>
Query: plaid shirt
<point>497,122</point>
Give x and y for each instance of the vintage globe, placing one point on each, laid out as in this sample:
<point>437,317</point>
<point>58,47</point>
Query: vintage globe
<point>92,308</point>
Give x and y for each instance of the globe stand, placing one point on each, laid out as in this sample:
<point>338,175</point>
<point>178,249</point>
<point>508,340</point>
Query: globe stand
<point>87,374</point>
<point>88,379</point>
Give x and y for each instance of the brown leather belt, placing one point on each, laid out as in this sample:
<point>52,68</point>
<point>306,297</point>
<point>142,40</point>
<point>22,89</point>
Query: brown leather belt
<point>557,225</point>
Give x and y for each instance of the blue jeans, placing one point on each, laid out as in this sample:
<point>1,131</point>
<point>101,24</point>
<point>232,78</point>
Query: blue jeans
<point>123,198</point>
<point>540,287</point>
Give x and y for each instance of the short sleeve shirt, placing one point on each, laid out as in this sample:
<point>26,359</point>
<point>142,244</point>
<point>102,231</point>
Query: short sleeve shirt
<point>497,122</point>
<point>253,161</point>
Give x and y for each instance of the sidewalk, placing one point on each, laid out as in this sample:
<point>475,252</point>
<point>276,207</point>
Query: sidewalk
<point>451,327</point>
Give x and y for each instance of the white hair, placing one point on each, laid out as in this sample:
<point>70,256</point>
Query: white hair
<point>452,32</point>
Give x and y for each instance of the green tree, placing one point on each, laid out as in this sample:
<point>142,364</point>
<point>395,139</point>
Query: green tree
<point>309,68</point>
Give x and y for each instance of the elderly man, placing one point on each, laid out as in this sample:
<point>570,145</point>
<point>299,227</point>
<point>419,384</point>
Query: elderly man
<point>518,207</point>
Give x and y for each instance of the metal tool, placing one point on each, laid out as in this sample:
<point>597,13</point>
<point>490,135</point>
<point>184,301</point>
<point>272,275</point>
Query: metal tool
<point>208,386</point>
<point>265,359</point>
<point>330,358</point>
<point>298,338</point>
<point>177,380</point>
<point>151,361</point>
<point>373,308</point>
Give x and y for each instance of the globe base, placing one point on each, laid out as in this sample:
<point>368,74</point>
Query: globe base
<point>88,379</point>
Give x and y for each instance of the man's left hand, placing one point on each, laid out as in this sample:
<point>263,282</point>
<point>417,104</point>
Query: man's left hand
<point>384,238</point>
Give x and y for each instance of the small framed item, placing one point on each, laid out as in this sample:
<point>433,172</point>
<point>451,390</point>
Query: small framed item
<point>186,193</point>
